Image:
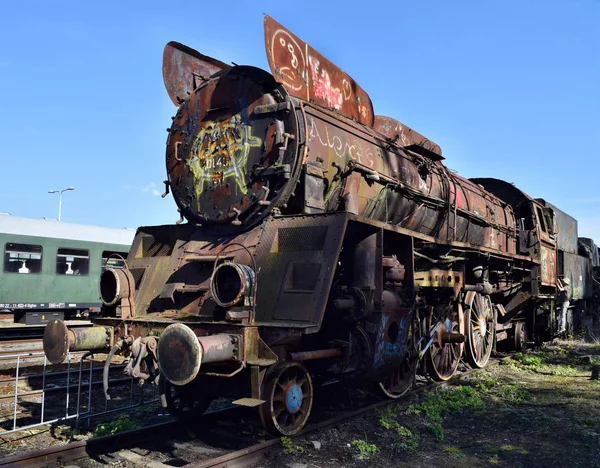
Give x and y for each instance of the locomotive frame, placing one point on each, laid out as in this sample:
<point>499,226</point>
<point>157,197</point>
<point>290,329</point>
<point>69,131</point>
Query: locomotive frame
<point>322,241</point>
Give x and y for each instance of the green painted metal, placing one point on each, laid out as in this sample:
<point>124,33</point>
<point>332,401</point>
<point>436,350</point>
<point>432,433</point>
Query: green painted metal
<point>47,287</point>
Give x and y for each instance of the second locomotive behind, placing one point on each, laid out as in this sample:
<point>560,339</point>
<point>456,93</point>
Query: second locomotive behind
<point>321,241</point>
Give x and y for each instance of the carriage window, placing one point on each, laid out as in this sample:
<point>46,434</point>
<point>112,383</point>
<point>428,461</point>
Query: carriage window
<point>22,258</point>
<point>72,262</point>
<point>112,259</point>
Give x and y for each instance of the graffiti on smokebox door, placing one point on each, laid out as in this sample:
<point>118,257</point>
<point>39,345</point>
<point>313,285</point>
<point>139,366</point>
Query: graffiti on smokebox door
<point>220,152</point>
<point>387,350</point>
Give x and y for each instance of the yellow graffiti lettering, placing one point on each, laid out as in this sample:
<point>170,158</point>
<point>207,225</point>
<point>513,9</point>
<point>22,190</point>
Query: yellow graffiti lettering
<point>220,152</point>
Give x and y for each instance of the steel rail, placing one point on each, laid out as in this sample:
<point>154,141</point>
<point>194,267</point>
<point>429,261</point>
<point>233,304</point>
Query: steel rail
<point>84,448</point>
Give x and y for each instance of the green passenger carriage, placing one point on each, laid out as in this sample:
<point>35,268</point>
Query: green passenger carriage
<point>50,269</point>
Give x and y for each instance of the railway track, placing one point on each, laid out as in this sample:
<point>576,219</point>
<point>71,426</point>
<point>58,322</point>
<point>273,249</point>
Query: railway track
<point>21,346</point>
<point>201,454</point>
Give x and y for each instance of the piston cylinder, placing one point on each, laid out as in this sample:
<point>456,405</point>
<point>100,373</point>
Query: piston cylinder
<point>60,340</point>
<point>181,352</point>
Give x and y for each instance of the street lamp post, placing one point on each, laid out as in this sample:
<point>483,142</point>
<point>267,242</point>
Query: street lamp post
<point>60,192</point>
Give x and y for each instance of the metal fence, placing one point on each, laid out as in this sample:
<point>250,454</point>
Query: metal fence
<point>75,393</point>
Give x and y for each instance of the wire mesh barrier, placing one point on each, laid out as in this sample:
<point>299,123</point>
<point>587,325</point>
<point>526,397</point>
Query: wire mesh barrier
<point>43,394</point>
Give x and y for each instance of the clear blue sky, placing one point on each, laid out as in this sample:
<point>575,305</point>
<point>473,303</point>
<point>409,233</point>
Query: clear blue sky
<point>509,89</point>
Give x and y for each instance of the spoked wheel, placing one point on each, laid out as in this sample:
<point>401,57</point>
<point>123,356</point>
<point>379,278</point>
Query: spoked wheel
<point>182,402</point>
<point>445,352</point>
<point>288,395</point>
<point>481,328</point>
<point>402,377</point>
<point>520,338</point>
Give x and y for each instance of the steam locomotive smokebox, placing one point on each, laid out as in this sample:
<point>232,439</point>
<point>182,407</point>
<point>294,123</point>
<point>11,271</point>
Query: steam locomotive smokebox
<point>231,149</point>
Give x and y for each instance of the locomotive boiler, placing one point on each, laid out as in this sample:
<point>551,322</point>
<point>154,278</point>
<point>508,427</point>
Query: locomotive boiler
<point>321,241</point>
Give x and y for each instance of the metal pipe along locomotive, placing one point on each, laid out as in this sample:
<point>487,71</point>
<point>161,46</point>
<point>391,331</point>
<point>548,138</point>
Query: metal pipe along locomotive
<point>322,241</point>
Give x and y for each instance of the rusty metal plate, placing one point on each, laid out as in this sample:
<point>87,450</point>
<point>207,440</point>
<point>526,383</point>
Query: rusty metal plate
<point>184,69</point>
<point>297,257</point>
<point>405,136</point>
<point>308,75</point>
<point>548,261</point>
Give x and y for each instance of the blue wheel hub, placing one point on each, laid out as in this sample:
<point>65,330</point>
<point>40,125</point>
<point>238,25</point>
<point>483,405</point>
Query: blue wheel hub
<point>293,398</point>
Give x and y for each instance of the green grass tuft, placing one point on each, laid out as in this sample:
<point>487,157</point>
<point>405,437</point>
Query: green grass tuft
<point>454,452</point>
<point>437,405</point>
<point>121,424</point>
<point>437,431</point>
<point>513,394</point>
<point>289,447</point>
<point>363,450</point>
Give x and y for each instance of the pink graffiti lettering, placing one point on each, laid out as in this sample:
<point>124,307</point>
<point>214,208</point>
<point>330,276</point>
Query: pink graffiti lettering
<point>322,87</point>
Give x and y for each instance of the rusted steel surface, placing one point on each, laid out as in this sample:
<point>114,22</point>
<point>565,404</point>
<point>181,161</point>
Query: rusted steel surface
<point>399,187</point>
<point>233,156</point>
<point>317,354</point>
<point>184,69</point>
<point>297,258</point>
<point>566,227</point>
<point>228,158</point>
<point>173,267</point>
<point>60,340</point>
<point>548,264</point>
<point>179,354</point>
<point>536,230</point>
<point>406,136</point>
<point>309,76</point>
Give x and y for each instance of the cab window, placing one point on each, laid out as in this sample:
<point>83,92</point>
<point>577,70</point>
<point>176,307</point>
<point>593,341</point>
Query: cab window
<point>541,219</point>
<point>22,258</point>
<point>72,262</point>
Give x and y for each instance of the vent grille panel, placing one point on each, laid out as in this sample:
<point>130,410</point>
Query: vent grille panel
<point>152,247</point>
<point>138,275</point>
<point>298,239</point>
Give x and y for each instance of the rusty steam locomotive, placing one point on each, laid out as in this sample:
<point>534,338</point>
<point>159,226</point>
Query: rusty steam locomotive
<point>322,241</point>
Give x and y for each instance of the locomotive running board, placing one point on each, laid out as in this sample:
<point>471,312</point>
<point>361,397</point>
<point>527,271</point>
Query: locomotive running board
<point>249,402</point>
